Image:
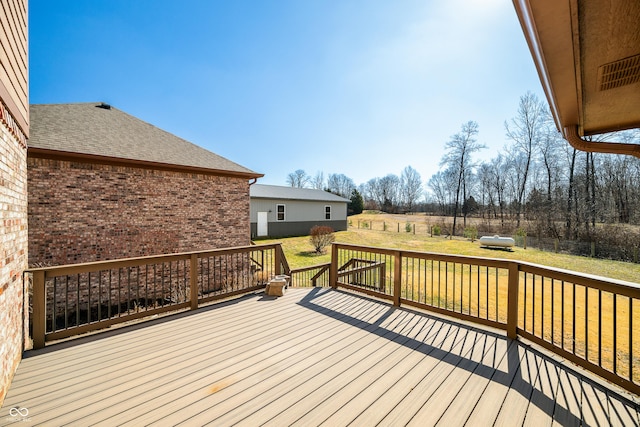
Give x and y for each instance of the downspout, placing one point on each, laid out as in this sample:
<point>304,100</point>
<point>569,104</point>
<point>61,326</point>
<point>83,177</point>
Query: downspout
<point>251,182</point>
<point>574,139</point>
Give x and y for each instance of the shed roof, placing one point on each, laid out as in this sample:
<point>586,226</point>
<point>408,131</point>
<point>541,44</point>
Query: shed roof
<point>97,129</point>
<point>292,193</point>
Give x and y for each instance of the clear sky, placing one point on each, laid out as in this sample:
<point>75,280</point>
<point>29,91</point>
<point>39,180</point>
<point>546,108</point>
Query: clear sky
<point>358,87</point>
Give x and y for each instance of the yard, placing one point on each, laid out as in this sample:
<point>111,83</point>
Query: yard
<point>593,333</point>
<point>300,252</point>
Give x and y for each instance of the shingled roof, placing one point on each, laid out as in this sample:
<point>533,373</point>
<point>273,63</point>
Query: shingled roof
<point>292,193</point>
<point>100,131</point>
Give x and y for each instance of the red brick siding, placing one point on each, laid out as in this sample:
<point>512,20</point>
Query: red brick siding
<point>13,256</point>
<point>81,212</point>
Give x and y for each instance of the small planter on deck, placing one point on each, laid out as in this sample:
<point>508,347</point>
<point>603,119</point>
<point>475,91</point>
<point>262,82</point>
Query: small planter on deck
<point>277,286</point>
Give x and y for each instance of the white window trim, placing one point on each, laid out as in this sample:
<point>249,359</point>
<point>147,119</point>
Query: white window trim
<point>284,212</point>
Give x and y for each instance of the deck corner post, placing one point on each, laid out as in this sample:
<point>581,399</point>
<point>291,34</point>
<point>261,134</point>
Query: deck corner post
<point>193,282</point>
<point>397,278</point>
<point>277,269</point>
<point>512,300</point>
<point>39,306</point>
<point>333,270</point>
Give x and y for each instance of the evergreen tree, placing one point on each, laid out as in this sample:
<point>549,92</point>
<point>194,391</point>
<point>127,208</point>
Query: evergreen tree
<point>357,203</point>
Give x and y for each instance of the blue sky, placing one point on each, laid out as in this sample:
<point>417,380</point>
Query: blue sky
<point>358,87</point>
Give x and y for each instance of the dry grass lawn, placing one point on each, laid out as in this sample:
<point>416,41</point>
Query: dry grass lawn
<point>582,321</point>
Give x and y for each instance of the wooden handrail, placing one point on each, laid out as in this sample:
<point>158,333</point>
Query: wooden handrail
<point>516,273</point>
<point>187,270</point>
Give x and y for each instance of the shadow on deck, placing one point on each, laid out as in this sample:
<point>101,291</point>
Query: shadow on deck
<point>315,356</point>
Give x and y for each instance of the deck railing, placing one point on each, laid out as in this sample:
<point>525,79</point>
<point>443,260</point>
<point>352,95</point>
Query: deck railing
<point>315,276</point>
<point>74,299</point>
<point>592,321</point>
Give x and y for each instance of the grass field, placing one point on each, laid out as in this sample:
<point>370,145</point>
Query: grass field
<point>300,252</point>
<point>587,328</point>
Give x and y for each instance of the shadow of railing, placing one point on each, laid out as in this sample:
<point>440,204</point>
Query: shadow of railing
<point>552,386</point>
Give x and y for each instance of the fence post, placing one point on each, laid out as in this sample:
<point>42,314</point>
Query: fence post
<point>512,300</point>
<point>593,249</point>
<point>193,282</point>
<point>414,228</point>
<point>333,269</point>
<point>397,278</point>
<point>39,305</point>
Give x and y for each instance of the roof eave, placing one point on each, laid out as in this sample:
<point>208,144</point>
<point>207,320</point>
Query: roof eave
<point>45,153</point>
<point>551,43</point>
<point>552,31</point>
<point>301,199</point>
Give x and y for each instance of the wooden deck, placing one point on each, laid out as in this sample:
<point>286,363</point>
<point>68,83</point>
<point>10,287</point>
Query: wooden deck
<point>313,357</point>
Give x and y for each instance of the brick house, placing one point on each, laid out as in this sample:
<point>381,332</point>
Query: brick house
<point>103,184</point>
<point>14,131</point>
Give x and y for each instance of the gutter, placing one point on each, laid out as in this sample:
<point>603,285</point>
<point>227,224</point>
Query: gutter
<point>577,142</point>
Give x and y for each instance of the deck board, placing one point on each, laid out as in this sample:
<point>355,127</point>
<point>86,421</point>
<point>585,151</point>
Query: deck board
<point>311,357</point>
<point>459,409</point>
<point>543,394</point>
<point>363,397</point>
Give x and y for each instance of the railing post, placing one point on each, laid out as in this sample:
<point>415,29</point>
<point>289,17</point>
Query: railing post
<point>278,260</point>
<point>512,300</point>
<point>333,270</point>
<point>397,278</point>
<point>39,310</point>
<point>193,282</point>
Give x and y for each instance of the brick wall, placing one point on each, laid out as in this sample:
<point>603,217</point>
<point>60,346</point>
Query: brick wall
<point>13,259</point>
<point>81,212</point>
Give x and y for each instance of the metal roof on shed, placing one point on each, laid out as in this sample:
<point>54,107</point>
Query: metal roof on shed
<point>293,193</point>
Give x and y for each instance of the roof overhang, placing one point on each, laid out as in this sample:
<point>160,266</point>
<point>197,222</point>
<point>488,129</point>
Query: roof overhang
<point>44,153</point>
<point>587,53</point>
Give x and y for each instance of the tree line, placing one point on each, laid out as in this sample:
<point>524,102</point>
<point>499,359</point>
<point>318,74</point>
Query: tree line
<point>391,193</point>
<point>537,177</point>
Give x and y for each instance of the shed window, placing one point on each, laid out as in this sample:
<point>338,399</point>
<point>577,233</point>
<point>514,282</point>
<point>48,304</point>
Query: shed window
<point>327,212</point>
<point>280,212</point>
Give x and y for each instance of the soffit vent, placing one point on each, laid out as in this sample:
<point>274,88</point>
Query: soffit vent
<point>619,73</point>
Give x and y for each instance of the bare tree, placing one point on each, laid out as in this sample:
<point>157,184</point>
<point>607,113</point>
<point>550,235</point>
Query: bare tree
<point>388,187</point>
<point>458,158</point>
<point>499,183</point>
<point>525,130</point>
<point>549,150</point>
<point>410,187</point>
<point>317,181</point>
<point>372,193</point>
<point>487,200</point>
<point>298,179</point>
<point>441,184</point>
<point>570,196</point>
<point>384,191</point>
<point>340,184</point>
